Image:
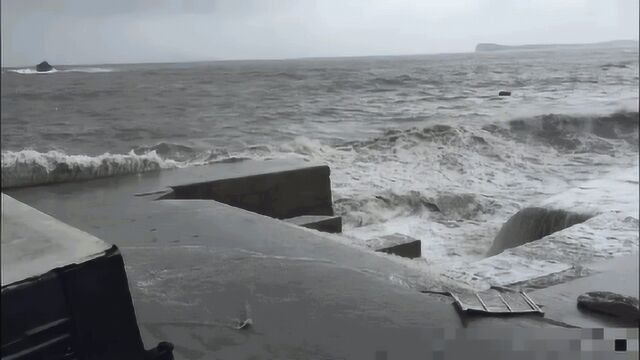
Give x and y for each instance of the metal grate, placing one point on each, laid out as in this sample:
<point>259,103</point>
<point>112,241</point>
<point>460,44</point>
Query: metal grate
<point>497,302</point>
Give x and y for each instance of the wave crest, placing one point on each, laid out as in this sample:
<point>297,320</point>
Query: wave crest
<point>30,167</point>
<point>363,211</point>
<point>31,71</point>
<point>574,133</point>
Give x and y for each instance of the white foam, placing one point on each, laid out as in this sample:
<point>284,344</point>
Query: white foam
<point>607,235</point>
<point>616,191</point>
<point>30,167</point>
<point>501,270</point>
<point>88,70</point>
<point>612,232</point>
<point>504,175</point>
<point>31,71</point>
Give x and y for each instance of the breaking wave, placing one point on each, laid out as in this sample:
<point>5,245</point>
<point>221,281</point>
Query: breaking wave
<point>395,158</point>
<point>29,167</point>
<point>531,224</point>
<point>360,211</point>
<point>574,133</point>
<point>31,71</point>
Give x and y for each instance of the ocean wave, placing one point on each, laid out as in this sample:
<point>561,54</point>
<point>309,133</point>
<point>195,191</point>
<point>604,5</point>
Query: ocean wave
<point>441,152</point>
<point>531,224</point>
<point>586,133</point>
<point>463,173</point>
<point>89,70</point>
<point>167,150</point>
<point>360,211</point>
<point>30,167</point>
<point>31,71</point>
<point>565,133</point>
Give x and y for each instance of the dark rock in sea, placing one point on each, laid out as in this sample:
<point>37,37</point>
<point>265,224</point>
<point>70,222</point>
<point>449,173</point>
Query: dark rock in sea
<point>531,224</point>
<point>44,67</point>
<point>610,303</point>
<point>504,93</point>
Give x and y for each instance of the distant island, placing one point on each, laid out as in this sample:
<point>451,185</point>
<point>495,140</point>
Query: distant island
<point>482,47</point>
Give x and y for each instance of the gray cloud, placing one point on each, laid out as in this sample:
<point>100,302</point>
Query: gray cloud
<point>84,31</point>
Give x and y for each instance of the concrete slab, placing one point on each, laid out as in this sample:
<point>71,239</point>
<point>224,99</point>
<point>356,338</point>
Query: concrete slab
<point>619,275</point>
<point>328,224</point>
<point>494,302</point>
<point>34,243</point>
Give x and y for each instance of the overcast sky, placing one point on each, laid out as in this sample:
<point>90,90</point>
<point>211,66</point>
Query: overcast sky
<point>127,31</point>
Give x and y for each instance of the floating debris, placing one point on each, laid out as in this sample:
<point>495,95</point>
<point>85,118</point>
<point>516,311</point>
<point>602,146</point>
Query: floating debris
<point>247,322</point>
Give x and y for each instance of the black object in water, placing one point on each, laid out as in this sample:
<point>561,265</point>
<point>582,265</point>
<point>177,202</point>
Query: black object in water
<point>44,67</point>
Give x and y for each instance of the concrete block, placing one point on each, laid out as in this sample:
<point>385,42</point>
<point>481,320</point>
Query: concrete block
<point>329,224</point>
<point>278,194</point>
<point>64,292</point>
<point>397,244</point>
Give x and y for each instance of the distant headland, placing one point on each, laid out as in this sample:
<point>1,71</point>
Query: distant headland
<point>482,47</point>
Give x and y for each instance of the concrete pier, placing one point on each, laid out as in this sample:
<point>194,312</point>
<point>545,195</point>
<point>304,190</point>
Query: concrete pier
<point>195,266</point>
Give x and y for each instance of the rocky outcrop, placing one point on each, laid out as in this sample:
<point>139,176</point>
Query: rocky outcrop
<point>610,303</point>
<point>531,224</point>
<point>44,67</point>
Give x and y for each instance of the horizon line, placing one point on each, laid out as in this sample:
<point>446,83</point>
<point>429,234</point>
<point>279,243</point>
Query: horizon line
<point>310,57</point>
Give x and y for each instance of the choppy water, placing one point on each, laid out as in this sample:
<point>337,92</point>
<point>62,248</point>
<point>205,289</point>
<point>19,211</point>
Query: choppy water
<point>419,145</point>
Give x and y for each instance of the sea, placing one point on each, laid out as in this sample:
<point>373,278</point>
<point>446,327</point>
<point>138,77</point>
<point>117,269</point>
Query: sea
<point>417,145</point>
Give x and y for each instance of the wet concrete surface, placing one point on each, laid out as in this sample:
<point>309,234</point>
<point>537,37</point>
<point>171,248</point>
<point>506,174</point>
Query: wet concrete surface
<point>34,243</point>
<point>618,275</point>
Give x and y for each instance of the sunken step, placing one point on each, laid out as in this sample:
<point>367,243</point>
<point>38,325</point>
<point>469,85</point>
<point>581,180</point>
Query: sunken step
<point>329,224</point>
<point>397,244</point>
